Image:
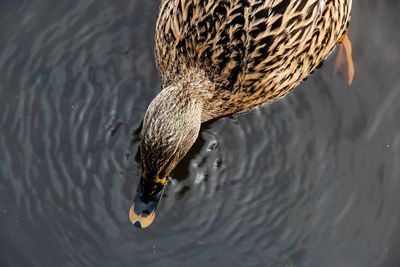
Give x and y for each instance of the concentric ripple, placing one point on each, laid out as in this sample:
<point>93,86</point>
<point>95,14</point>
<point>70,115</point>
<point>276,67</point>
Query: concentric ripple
<point>311,180</point>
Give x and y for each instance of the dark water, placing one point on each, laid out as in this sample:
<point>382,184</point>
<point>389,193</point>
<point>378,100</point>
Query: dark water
<point>311,180</point>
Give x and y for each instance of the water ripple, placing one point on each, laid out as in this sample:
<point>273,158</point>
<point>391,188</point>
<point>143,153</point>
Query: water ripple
<point>310,180</point>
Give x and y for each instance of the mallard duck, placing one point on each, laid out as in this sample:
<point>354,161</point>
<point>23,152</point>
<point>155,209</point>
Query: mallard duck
<point>221,57</point>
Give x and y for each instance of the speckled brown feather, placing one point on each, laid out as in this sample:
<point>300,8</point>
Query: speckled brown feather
<point>251,51</point>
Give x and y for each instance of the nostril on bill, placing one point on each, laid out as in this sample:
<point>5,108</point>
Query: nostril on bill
<point>138,225</point>
<point>146,212</point>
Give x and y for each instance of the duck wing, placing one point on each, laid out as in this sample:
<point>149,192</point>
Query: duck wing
<point>237,42</point>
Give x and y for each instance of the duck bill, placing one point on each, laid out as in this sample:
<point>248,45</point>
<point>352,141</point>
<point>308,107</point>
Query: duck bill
<point>144,207</point>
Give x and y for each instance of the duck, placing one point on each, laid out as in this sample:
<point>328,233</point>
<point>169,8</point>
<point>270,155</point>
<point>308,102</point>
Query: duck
<point>217,58</point>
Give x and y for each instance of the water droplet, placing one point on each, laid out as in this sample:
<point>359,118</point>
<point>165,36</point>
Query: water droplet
<point>212,146</point>
<point>200,177</point>
<point>217,163</point>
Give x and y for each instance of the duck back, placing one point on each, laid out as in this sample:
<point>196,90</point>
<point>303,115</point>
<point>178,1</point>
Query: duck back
<point>256,49</point>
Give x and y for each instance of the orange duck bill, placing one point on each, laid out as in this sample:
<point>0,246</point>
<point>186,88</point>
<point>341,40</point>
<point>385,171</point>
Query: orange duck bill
<point>147,198</point>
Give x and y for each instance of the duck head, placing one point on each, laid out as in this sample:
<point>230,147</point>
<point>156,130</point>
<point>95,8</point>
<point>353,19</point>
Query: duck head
<point>170,127</point>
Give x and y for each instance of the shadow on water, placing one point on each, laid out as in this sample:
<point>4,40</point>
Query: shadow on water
<point>311,180</point>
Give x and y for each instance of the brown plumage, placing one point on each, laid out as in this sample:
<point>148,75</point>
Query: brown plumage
<point>220,57</point>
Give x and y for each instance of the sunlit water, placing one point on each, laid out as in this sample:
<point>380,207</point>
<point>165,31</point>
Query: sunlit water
<point>311,180</point>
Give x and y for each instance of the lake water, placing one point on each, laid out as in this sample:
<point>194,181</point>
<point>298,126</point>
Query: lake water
<point>311,180</point>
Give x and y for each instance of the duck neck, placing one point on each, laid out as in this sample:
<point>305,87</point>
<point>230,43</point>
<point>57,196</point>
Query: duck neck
<point>170,127</point>
<point>195,85</point>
